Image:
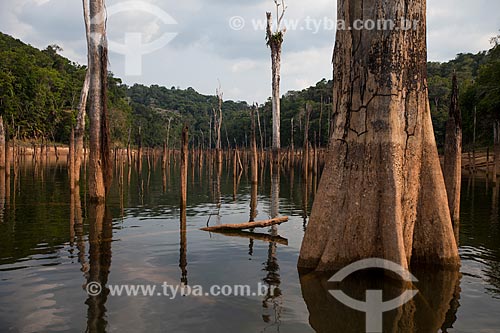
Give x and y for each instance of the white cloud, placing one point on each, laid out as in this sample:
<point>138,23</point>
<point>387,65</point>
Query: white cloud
<point>207,49</point>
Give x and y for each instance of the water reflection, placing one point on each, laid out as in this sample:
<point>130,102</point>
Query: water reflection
<point>433,308</point>
<point>43,257</point>
<point>100,237</point>
<point>272,301</point>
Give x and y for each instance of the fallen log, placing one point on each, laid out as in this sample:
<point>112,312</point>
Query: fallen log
<point>254,235</point>
<point>248,225</point>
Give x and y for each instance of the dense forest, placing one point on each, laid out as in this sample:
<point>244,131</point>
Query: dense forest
<point>39,94</point>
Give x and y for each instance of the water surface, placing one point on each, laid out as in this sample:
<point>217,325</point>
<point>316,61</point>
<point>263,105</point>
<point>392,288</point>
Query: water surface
<point>48,254</point>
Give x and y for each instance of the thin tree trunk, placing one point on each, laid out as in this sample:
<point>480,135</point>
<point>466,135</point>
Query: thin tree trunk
<point>496,150</point>
<point>453,157</point>
<point>382,193</point>
<point>255,157</point>
<point>82,108</point>
<point>2,144</point>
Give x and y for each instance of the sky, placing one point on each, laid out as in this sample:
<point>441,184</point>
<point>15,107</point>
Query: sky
<point>197,43</point>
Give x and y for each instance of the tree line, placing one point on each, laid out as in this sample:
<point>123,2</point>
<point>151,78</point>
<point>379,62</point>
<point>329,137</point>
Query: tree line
<point>39,96</point>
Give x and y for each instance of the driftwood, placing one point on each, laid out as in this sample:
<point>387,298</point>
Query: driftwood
<point>248,225</point>
<point>253,235</point>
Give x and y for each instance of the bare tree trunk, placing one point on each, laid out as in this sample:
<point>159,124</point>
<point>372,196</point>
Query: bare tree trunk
<point>255,156</point>
<point>320,141</point>
<point>72,159</point>
<point>99,161</point>
<point>496,148</point>
<point>82,107</point>
<point>218,125</point>
<point>184,165</point>
<point>453,157</point>
<point>275,42</point>
<point>382,193</point>
<point>2,144</point>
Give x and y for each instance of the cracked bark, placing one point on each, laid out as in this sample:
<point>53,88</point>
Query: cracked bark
<point>382,193</point>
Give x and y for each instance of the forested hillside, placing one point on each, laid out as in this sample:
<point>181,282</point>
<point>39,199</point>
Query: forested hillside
<point>39,94</point>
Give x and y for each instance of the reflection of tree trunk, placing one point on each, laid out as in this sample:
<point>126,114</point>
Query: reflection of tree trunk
<point>453,157</point>
<point>79,232</point>
<point>272,278</point>
<point>273,281</point>
<point>494,204</point>
<point>382,193</point>
<point>427,312</point>
<point>100,237</point>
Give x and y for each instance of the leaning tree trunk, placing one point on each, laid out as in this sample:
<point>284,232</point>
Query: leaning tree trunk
<point>82,108</point>
<point>453,157</point>
<point>100,174</point>
<point>382,193</point>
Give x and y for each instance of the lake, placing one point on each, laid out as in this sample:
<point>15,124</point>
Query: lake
<point>52,244</point>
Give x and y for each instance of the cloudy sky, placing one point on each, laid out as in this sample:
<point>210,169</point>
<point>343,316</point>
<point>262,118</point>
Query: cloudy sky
<point>224,39</point>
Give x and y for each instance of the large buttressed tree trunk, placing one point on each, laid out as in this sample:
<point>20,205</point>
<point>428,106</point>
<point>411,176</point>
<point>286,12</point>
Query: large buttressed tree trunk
<point>100,174</point>
<point>382,193</point>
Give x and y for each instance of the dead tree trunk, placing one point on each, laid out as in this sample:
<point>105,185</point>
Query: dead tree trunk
<point>275,42</point>
<point>100,173</point>
<point>2,144</point>
<point>218,125</point>
<point>382,193</point>
<point>496,148</point>
<point>453,157</point>
<point>255,156</point>
<point>82,107</point>
<point>184,165</point>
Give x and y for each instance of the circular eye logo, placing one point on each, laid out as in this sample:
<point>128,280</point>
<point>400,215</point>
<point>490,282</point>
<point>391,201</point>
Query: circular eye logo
<point>134,48</point>
<point>374,306</point>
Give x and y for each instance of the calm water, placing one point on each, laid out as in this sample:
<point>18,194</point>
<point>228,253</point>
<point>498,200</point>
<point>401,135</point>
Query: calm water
<point>47,256</point>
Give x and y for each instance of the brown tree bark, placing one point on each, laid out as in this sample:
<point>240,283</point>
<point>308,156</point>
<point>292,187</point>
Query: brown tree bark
<point>453,157</point>
<point>100,174</point>
<point>382,193</point>
<point>496,148</point>
<point>255,156</point>
<point>2,144</point>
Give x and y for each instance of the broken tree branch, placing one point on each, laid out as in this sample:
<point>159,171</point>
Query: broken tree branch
<point>248,225</point>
